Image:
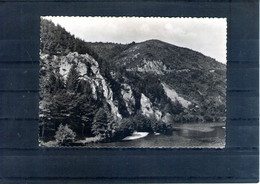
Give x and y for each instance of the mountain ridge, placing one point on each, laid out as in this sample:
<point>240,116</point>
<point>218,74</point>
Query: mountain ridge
<point>126,46</point>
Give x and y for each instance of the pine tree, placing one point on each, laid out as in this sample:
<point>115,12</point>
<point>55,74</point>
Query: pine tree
<point>45,116</point>
<point>99,127</point>
<point>54,83</point>
<point>61,107</point>
<point>87,109</point>
<point>72,79</point>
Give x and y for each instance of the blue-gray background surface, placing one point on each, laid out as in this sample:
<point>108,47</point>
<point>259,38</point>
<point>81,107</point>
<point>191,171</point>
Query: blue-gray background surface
<point>22,160</point>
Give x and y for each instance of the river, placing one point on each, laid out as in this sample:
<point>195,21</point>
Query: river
<point>196,135</point>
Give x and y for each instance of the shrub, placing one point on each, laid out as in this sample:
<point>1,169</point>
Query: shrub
<point>142,123</point>
<point>64,135</point>
<point>122,129</point>
<point>162,127</point>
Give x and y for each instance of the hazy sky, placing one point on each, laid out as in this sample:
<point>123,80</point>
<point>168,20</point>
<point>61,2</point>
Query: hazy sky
<point>206,35</point>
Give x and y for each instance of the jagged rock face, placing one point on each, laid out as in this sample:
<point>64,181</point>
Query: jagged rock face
<point>151,66</point>
<point>63,64</point>
<point>171,93</point>
<point>146,106</point>
<point>148,109</point>
<point>128,97</point>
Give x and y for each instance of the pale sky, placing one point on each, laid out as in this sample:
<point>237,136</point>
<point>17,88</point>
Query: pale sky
<point>205,35</point>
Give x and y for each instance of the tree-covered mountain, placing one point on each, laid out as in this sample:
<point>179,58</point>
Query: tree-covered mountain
<point>108,90</point>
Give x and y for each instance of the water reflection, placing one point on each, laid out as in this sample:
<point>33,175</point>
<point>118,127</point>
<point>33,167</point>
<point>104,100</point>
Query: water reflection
<point>217,131</point>
<point>194,135</point>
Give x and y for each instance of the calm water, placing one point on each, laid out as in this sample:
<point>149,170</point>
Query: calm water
<point>211,135</point>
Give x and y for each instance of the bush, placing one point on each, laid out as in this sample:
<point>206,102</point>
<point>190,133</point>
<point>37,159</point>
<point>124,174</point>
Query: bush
<point>142,123</point>
<point>122,129</point>
<point>64,135</point>
<point>162,127</point>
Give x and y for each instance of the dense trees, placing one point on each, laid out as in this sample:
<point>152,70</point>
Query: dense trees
<point>55,40</point>
<point>67,102</point>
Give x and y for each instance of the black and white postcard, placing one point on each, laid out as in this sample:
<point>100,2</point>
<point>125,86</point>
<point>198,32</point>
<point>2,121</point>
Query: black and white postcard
<point>132,82</point>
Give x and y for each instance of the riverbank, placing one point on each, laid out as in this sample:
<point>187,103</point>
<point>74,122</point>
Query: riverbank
<point>202,135</point>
